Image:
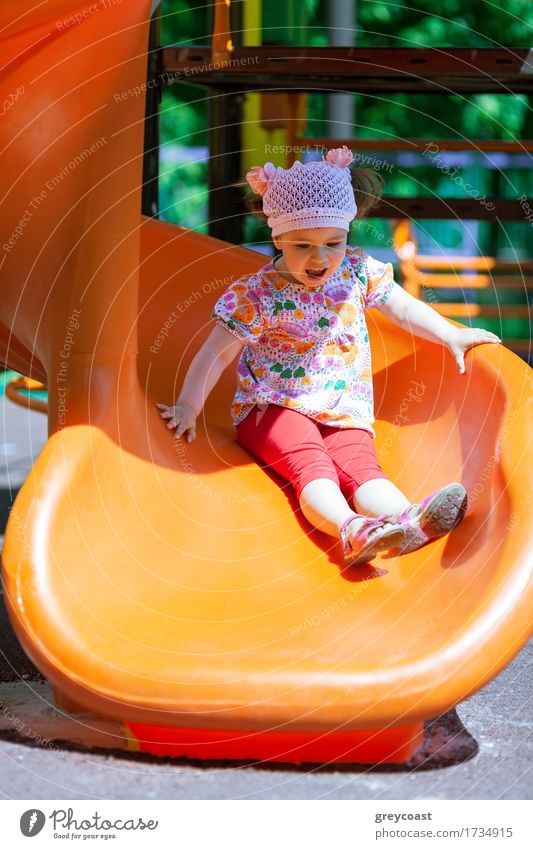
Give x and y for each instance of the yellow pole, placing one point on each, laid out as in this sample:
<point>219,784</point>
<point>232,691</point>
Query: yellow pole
<point>260,144</point>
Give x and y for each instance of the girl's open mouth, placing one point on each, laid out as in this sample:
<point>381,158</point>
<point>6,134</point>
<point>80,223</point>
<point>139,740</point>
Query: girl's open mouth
<point>316,275</point>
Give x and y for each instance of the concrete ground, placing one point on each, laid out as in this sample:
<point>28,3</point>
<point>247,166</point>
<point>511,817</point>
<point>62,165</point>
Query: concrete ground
<point>499,717</point>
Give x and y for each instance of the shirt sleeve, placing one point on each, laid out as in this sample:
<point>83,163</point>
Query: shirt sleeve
<point>239,310</point>
<point>380,281</point>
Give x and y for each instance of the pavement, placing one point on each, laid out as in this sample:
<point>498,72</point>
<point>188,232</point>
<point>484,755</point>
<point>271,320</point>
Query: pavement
<point>46,754</point>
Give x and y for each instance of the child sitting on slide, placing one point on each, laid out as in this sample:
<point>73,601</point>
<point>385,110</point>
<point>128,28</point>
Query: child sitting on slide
<point>304,401</point>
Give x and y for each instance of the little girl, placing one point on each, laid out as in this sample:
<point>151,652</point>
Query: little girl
<point>304,403</point>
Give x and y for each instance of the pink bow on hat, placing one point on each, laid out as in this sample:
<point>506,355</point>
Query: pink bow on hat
<point>341,156</point>
<point>259,175</point>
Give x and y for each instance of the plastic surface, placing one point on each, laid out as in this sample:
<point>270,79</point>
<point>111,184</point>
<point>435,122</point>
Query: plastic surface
<point>178,585</point>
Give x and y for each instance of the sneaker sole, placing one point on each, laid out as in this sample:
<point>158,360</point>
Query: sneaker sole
<point>390,539</point>
<point>444,512</point>
<point>438,518</point>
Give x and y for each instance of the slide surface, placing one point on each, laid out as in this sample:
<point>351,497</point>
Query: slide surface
<point>177,587</point>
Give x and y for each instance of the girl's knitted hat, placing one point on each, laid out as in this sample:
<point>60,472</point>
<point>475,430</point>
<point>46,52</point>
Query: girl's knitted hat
<point>317,194</point>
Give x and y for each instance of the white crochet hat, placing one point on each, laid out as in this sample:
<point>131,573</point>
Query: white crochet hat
<point>317,194</point>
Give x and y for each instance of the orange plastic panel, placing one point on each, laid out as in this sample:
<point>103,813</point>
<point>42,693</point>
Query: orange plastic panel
<point>177,585</point>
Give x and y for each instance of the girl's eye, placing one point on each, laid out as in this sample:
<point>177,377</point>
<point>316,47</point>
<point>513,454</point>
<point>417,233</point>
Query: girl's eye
<point>332,245</point>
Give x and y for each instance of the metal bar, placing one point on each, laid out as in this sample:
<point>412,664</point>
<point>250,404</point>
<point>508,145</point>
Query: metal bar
<point>418,145</point>
<point>359,69</point>
<point>341,32</point>
<point>477,281</point>
<point>471,262</point>
<point>224,165</point>
<point>449,208</point>
<point>150,178</point>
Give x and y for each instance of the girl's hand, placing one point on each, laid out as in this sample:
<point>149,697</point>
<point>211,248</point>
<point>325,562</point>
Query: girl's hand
<point>182,417</point>
<point>464,338</point>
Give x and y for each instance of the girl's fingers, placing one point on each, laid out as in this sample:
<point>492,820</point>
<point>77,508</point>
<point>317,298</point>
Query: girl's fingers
<point>188,430</point>
<point>177,422</point>
<point>487,334</point>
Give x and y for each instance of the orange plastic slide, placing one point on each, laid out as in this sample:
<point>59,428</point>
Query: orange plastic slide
<point>177,587</point>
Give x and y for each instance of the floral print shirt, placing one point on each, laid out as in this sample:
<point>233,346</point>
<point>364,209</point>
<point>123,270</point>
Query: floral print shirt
<point>307,349</point>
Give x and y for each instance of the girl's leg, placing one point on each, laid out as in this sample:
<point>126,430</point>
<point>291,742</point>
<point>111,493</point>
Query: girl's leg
<point>365,484</point>
<point>324,505</point>
<point>361,477</point>
<point>291,444</point>
<point>378,496</point>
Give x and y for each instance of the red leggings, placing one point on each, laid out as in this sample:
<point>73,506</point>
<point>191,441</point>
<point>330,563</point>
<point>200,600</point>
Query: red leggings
<point>301,449</point>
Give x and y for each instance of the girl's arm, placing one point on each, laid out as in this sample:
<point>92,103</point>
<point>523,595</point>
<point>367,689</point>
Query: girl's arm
<point>218,351</point>
<point>421,320</point>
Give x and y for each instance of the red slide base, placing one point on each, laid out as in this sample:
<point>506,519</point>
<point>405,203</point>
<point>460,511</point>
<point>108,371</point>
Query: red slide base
<point>366,745</point>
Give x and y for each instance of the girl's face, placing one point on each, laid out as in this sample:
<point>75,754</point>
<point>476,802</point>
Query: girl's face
<point>319,249</point>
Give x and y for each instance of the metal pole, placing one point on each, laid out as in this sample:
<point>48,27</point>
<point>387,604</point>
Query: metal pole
<point>341,22</point>
<point>150,186</point>
<point>224,164</point>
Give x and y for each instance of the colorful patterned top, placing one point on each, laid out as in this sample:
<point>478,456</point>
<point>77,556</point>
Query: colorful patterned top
<point>307,349</point>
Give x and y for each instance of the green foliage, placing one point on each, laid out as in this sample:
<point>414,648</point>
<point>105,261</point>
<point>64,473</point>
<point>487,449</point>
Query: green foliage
<point>477,116</point>
<point>183,195</point>
<point>186,22</point>
<point>183,117</point>
<point>450,23</point>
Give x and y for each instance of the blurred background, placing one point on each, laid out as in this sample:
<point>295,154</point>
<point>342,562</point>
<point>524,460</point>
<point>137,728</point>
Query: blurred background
<point>453,23</point>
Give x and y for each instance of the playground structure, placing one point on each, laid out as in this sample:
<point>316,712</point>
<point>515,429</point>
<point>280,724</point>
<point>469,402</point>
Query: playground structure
<point>136,575</point>
<point>423,276</point>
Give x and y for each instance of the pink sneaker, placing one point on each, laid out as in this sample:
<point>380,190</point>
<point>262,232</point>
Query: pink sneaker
<point>373,535</point>
<point>435,516</point>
